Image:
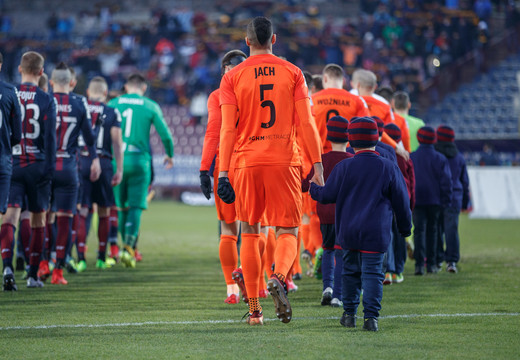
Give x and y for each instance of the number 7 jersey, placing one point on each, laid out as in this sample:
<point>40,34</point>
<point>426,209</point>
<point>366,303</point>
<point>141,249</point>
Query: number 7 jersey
<point>265,88</point>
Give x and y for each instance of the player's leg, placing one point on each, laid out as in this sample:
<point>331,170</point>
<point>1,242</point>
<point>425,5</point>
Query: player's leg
<point>65,193</point>
<point>38,195</point>
<point>103,196</point>
<point>419,215</point>
<point>138,179</point>
<point>262,246</point>
<point>7,231</point>
<point>112,234</point>
<point>284,201</point>
<point>228,255</point>
<point>327,262</point>
<point>11,197</point>
<point>24,240</point>
<point>250,207</point>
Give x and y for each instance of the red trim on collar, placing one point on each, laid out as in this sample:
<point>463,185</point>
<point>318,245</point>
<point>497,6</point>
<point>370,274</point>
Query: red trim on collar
<point>367,151</point>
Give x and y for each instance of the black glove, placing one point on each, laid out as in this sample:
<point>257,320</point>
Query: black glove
<point>205,184</point>
<point>225,190</point>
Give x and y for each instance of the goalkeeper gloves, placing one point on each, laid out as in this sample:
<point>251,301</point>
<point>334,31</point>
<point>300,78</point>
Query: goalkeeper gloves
<point>205,184</point>
<point>225,190</point>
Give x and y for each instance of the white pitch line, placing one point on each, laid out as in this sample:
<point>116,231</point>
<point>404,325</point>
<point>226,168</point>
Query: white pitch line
<point>147,323</point>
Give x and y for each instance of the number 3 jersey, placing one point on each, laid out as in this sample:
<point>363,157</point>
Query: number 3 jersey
<point>265,88</point>
<point>38,142</point>
<point>73,118</point>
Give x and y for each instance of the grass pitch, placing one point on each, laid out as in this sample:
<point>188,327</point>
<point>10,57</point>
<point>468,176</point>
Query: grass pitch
<point>171,305</point>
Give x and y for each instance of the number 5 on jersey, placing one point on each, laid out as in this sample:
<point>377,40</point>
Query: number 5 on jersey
<point>267,103</point>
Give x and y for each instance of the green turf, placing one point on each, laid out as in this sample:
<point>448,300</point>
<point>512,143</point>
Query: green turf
<point>180,280</point>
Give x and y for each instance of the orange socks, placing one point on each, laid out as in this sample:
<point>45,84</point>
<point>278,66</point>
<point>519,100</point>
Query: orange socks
<point>228,256</point>
<point>285,253</point>
<point>269,250</point>
<point>251,263</point>
<point>254,305</point>
<point>316,239</point>
<point>262,244</point>
<point>305,231</point>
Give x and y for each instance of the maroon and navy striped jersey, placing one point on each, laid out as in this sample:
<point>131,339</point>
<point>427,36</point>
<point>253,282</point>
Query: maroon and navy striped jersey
<point>10,118</point>
<point>38,128</point>
<point>110,118</point>
<point>73,118</point>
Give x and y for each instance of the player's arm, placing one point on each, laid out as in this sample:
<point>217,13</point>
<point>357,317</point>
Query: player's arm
<point>228,136</point>
<point>164,134</point>
<point>49,120</point>
<point>211,140</point>
<point>328,193</point>
<point>311,138</point>
<point>116,135</point>
<point>16,120</point>
<point>212,136</point>
<point>90,135</point>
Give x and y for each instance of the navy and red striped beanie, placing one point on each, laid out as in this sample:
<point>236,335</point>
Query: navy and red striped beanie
<point>380,124</point>
<point>426,135</point>
<point>393,131</point>
<point>337,129</point>
<point>362,132</point>
<point>445,133</point>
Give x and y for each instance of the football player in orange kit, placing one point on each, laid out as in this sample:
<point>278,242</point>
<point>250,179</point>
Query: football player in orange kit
<point>364,83</point>
<point>333,100</point>
<point>226,212</point>
<point>266,91</point>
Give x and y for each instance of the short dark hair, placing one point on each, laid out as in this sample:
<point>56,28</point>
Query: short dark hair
<point>31,63</point>
<point>317,81</point>
<point>334,71</point>
<point>260,31</point>
<point>136,79</point>
<point>61,66</point>
<point>233,57</point>
<point>385,92</point>
<point>401,100</point>
<point>42,82</point>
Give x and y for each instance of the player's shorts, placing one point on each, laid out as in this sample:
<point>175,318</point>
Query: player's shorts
<point>6,166</point>
<point>100,191</point>
<point>133,189</point>
<point>275,190</point>
<point>65,184</point>
<point>29,189</point>
<point>225,212</point>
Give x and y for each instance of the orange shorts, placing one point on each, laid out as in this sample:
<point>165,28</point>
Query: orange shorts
<point>269,194</point>
<point>225,212</point>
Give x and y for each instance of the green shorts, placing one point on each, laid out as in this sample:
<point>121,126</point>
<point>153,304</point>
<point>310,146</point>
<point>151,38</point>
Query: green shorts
<point>133,189</point>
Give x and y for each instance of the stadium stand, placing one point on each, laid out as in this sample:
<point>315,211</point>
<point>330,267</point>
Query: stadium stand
<point>486,108</point>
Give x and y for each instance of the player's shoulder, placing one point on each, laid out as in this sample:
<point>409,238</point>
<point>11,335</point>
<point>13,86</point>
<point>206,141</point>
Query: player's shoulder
<point>215,94</point>
<point>7,89</point>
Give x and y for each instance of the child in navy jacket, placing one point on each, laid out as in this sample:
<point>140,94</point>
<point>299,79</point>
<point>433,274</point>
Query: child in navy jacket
<point>459,200</point>
<point>367,190</point>
<point>332,259</point>
<point>433,189</point>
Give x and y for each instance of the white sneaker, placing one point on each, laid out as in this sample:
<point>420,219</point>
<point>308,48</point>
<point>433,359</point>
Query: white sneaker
<point>336,303</point>
<point>32,283</point>
<point>326,296</point>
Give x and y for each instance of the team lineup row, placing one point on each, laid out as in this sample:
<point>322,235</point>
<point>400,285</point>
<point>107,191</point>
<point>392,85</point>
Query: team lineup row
<point>62,153</point>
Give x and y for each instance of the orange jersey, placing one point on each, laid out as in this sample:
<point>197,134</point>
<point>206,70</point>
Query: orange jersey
<point>384,112</point>
<point>405,133</point>
<point>264,88</point>
<point>333,102</point>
